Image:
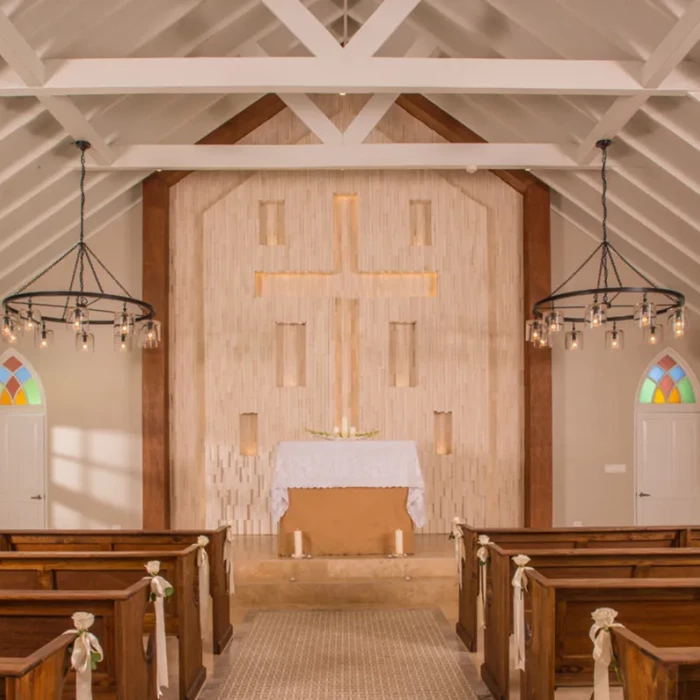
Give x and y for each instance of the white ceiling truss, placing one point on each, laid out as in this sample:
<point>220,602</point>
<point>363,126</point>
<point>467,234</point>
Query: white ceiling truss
<point>541,80</point>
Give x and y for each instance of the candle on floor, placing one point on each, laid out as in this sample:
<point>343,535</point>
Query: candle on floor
<point>344,426</point>
<point>298,547</point>
<point>398,545</point>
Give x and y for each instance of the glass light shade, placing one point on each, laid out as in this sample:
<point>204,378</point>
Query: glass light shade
<point>31,319</point>
<point>644,314</point>
<point>653,334</point>
<point>78,319</point>
<point>545,341</point>
<point>554,321</point>
<point>678,322</point>
<point>573,340</point>
<point>84,342</point>
<point>596,314</point>
<point>615,339</point>
<point>149,335</point>
<point>123,323</point>
<point>43,338</point>
<point>8,325</point>
<point>123,342</point>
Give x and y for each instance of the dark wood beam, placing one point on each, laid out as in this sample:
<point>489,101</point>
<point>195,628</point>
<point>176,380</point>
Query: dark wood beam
<point>155,369</point>
<point>538,490</point>
<point>537,469</point>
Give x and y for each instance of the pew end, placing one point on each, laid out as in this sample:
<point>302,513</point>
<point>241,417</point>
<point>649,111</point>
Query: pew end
<point>656,673</point>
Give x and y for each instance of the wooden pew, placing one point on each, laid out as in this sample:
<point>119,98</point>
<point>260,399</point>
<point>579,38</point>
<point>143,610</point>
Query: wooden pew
<point>76,571</point>
<point>528,540</point>
<point>39,675</point>
<point>35,620</point>
<point>559,650</point>
<point>134,540</point>
<point>565,564</point>
<point>656,673</point>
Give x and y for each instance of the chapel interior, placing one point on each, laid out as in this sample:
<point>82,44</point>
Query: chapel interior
<point>349,349</point>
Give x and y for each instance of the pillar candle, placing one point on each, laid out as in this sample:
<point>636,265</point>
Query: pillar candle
<point>298,547</point>
<point>344,426</point>
<point>353,432</point>
<point>398,546</point>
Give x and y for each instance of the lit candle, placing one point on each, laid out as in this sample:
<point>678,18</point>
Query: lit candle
<point>298,547</point>
<point>344,426</point>
<point>398,544</point>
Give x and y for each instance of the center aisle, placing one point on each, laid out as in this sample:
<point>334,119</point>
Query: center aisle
<point>343,654</point>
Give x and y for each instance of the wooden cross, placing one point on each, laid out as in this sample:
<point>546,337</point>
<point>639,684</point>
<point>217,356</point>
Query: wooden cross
<point>346,284</point>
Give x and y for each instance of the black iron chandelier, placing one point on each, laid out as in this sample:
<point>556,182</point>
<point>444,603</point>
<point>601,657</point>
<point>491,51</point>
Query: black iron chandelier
<point>85,303</point>
<point>610,302</point>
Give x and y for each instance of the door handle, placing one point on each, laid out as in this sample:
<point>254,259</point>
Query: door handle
<point>641,494</point>
<point>37,498</point>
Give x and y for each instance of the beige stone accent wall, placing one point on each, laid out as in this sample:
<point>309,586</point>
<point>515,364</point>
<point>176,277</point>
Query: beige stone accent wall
<point>391,297</point>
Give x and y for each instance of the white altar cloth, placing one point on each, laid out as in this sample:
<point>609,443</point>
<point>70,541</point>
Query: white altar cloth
<point>348,463</point>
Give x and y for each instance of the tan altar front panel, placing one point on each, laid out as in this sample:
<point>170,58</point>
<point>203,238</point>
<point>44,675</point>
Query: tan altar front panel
<point>391,297</point>
<point>346,521</point>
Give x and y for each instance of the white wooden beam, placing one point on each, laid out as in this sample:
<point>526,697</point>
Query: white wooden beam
<point>25,62</point>
<point>20,56</point>
<point>304,25</point>
<point>345,156</point>
<point>665,59</point>
<point>106,76</point>
<point>383,22</point>
<point>378,105</point>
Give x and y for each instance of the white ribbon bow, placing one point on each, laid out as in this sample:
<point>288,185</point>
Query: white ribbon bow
<point>603,620</point>
<point>460,551</point>
<point>203,564</point>
<point>519,588</point>
<point>228,555</point>
<point>85,645</point>
<point>159,588</point>
<point>482,554</point>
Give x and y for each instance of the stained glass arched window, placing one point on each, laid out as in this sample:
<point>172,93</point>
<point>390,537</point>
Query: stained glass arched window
<point>17,385</point>
<point>667,382</point>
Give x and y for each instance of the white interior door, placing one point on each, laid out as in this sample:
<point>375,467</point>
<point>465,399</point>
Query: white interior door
<point>22,471</point>
<point>668,468</point>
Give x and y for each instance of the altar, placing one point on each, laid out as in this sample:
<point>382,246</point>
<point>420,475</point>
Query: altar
<point>347,497</point>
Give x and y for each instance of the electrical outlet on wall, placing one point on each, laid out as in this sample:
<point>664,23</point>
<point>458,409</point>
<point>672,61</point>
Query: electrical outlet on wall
<point>578,523</point>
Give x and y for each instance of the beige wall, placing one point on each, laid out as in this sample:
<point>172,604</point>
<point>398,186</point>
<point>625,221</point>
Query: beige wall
<point>593,405</point>
<point>225,355</point>
<point>94,405</point>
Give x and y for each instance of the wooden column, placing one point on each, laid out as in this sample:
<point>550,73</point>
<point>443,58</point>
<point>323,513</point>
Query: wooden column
<point>537,425</point>
<point>155,382</point>
<point>537,473</point>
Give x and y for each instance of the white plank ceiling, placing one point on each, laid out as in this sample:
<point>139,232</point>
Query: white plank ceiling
<point>541,80</point>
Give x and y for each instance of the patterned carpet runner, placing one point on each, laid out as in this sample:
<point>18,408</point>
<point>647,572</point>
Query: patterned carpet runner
<point>345,655</point>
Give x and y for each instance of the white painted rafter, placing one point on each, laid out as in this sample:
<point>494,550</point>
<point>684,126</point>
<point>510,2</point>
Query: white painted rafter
<point>385,20</point>
<point>304,25</point>
<point>328,156</point>
<point>219,75</point>
<point>670,52</point>
<point>30,69</point>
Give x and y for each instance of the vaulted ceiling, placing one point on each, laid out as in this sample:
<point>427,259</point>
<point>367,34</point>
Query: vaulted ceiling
<point>621,68</point>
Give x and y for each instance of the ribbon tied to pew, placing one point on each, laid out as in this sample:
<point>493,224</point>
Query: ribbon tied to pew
<point>482,554</point>
<point>87,653</point>
<point>203,565</point>
<point>519,582</point>
<point>228,554</point>
<point>603,620</point>
<point>160,590</point>
<point>460,551</point>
